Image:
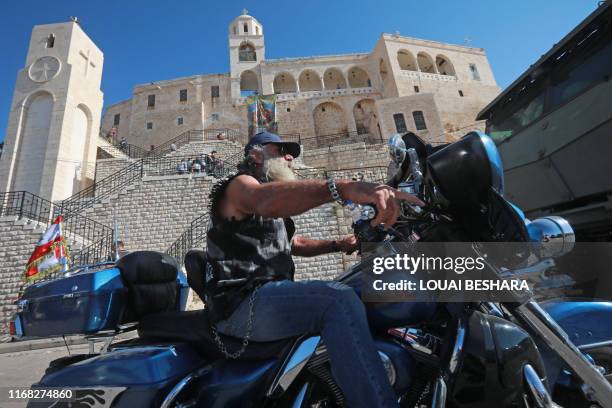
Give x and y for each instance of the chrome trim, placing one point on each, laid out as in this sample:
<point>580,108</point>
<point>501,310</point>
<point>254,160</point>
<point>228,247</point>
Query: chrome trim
<point>553,335</point>
<point>536,387</point>
<point>298,357</point>
<point>606,343</point>
<point>438,399</point>
<point>556,235</point>
<point>299,399</point>
<point>389,367</point>
<point>176,390</point>
<point>457,348</point>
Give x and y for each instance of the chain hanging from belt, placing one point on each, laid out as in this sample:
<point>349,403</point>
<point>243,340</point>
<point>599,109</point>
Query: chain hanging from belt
<point>249,331</point>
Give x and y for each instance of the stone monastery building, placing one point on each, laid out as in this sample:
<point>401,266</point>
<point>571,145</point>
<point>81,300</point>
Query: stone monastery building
<point>342,108</point>
<point>404,83</point>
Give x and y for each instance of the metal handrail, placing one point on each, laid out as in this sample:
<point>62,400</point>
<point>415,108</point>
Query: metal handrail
<point>76,229</point>
<point>196,136</point>
<point>132,151</point>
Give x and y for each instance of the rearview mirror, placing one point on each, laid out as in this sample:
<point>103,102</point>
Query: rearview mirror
<point>397,149</point>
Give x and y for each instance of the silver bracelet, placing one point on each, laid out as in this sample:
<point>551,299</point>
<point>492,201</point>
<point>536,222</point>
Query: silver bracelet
<point>333,191</point>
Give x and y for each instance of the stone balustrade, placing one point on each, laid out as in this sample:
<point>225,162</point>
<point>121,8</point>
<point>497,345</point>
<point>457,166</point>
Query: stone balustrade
<point>292,96</point>
<point>427,75</point>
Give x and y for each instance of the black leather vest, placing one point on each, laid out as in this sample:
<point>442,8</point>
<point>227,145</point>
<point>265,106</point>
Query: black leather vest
<point>243,254</point>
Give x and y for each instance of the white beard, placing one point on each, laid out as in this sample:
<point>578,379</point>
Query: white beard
<point>277,169</point>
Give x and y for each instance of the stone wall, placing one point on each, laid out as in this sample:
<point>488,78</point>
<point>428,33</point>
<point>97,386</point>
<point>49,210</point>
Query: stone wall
<point>156,211</point>
<point>106,167</point>
<point>347,156</point>
<point>17,243</point>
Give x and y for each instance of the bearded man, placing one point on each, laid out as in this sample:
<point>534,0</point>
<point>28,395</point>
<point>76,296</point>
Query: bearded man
<point>250,292</point>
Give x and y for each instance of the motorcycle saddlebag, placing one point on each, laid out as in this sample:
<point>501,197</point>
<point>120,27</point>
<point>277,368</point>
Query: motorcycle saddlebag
<point>84,303</point>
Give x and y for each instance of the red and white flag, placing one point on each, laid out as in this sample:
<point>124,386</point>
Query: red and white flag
<point>50,254</point>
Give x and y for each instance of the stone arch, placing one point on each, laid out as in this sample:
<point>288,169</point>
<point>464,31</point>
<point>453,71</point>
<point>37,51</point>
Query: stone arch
<point>74,163</point>
<point>246,52</point>
<point>248,82</point>
<point>445,67</point>
<point>329,119</point>
<point>383,69</point>
<point>426,63</point>
<point>284,82</point>
<point>406,61</point>
<point>31,146</point>
<point>333,79</point>
<point>364,113</point>
<point>358,78</point>
<point>309,80</point>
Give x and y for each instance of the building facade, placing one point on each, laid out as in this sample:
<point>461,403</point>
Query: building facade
<point>428,87</point>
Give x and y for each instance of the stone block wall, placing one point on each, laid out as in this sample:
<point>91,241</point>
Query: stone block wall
<point>106,167</point>
<point>347,156</point>
<point>156,211</point>
<point>16,245</point>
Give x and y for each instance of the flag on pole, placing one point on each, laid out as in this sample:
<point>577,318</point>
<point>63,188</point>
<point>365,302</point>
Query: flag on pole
<point>50,255</point>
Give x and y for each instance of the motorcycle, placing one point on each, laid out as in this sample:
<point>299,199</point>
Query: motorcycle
<point>468,354</point>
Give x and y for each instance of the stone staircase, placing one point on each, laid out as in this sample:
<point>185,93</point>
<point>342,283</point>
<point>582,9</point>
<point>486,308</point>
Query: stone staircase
<point>110,151</point>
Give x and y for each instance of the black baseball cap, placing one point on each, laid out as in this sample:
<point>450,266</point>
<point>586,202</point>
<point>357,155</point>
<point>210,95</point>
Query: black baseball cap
<point>264,138</point>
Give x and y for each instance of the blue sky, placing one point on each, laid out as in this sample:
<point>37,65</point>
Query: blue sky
<point>153,40</point>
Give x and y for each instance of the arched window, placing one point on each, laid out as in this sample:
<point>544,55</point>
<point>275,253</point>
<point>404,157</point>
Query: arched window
<point>246,52</point>
<point>333,79</point>
<point>248,83</point>
<point>444,66</point>
<point>406,61</point>
<point>50,41</point>
<point>358,78</point>
<point>246,28</point>
<point>284,83</point>
<point>309,80</point>
<point>426,64</point>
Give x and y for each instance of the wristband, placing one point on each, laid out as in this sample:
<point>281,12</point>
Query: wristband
<point>333,191</point>
<point>335,246</point>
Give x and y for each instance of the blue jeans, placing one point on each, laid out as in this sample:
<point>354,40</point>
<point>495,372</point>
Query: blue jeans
<point>287,309</point>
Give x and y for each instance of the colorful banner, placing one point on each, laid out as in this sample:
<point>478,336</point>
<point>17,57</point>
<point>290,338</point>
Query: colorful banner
<point>261,113</point>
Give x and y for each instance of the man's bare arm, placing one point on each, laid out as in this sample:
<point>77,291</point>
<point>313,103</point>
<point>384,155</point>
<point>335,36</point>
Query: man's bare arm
<point>302,246</point>
<point>246,196</point>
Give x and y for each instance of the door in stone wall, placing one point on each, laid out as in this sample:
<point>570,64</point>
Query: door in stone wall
<point>364,113</point>
<point>329,119</point>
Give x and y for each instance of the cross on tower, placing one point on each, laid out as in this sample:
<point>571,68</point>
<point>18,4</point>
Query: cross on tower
<point>88,61</point>
<point>245,11</point>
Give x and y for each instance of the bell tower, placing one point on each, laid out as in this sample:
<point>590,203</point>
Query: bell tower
<point>51,139</point>
<point>247,49</point>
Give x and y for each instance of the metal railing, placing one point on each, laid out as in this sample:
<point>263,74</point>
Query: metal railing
<point>247,56</point>
<point>193,238</point>
<point>197,136</point>
<point>130,150</point>
<point>91,237</point>
<point>291,137</point>
<point>342,138</point>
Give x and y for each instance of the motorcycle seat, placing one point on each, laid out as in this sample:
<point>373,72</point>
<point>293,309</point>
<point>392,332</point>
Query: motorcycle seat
<point>193,327</point>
